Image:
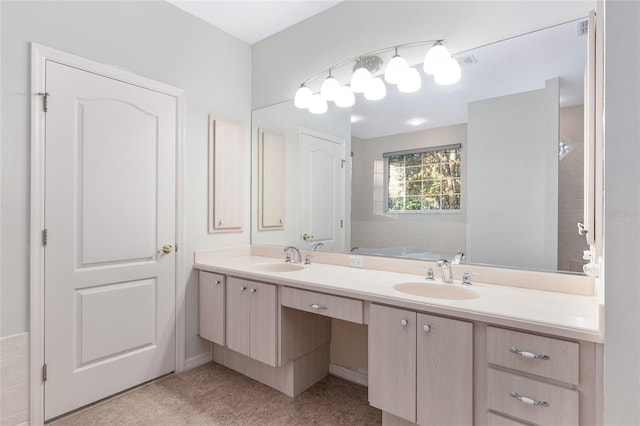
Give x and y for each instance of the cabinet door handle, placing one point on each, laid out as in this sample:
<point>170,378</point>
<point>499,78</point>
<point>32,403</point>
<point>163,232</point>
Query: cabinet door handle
<point>218,282</point>
<point>318,306</point>
<point>253,290</point>
<point>529,355</point>
<point>243,288</point>
<point>426,328</point>
<point>527,400</point>
<point>404,322</point>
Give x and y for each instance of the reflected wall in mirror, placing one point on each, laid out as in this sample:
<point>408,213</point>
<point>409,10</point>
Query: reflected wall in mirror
<point>519,201</point>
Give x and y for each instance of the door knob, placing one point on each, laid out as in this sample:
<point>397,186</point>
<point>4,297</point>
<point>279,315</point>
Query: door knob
<point>307,237</point>
<point>166,249</point>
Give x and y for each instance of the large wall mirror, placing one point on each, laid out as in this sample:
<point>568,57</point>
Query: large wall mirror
<point>516,123</point>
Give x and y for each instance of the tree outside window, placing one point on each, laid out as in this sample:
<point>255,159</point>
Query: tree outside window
<point>424,180</point>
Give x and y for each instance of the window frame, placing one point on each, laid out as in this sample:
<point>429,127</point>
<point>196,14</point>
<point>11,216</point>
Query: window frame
<point>387,155</point>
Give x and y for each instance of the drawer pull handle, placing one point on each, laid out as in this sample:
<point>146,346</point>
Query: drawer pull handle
<point>218,282</point>
<point>529,355</point>
<point>318,306</point>
<point>243,288</point>
<point>404,322</point>
<point>527,400</point>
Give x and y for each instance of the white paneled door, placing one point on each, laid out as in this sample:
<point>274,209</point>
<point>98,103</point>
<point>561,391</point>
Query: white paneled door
<point>322,190</point>
<point>110,206</point>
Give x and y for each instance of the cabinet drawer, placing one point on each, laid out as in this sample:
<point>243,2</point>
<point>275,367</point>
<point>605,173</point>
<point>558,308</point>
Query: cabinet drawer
<point>562,403</point>
<point>562,363</point>
<point>494,419</point>
<point>323,304</point>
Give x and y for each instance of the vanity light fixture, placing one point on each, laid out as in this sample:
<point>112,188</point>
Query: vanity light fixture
<point>438,62</point>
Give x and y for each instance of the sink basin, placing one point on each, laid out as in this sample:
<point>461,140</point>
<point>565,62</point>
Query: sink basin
<point>277,267</point>
<point>436,291</point>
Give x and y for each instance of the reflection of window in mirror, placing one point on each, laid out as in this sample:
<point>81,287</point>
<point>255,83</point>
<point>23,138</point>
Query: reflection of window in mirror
<point>425,179</point>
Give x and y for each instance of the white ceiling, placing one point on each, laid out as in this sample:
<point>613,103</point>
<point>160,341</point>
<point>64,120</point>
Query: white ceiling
<point>253,20</point>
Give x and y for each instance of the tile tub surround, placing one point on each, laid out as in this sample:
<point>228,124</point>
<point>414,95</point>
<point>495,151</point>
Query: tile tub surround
<point>14,380</point>
<point>563,314</point>
<point>215,395</point>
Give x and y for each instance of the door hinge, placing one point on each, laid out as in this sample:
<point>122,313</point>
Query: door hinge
<point>45,237</point>
<point>44,372</point>
<point>45,100</point>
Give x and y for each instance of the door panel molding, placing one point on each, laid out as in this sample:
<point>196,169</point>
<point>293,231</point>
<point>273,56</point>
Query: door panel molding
<point>39,56</point>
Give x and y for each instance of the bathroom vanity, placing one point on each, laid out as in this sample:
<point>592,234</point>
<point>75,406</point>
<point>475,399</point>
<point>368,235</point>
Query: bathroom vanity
<point>485,354</point>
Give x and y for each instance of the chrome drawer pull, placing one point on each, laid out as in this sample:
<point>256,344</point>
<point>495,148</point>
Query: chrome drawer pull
<point>529,355</point>
<point>318,306</point>
<point>527,400</point>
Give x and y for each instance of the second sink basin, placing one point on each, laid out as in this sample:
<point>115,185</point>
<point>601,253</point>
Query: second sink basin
<point>436,291</point>
<point>277,267</point>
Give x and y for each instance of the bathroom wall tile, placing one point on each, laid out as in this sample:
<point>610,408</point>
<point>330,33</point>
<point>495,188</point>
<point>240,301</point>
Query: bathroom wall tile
<point>14,371</point>
<point>14,399</point>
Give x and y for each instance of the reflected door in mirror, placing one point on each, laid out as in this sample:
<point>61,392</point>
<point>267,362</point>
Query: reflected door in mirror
<point>322,190</point>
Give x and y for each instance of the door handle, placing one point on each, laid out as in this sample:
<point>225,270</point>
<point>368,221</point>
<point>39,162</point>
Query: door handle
<point>307,237</point>
<point>166,249</point>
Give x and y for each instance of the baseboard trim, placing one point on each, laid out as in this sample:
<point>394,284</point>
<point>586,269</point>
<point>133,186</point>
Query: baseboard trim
<point>198,360</point>
<point>352,376</point>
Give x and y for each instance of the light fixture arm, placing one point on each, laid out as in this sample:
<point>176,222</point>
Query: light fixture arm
<point>373,52</point>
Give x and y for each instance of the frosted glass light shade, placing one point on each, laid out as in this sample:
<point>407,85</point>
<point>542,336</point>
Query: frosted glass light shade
<point>345,98</point>
<point>329,89</point>
<point>303,97</point>
<point>395,68</point>
<point>317,104</point>
<point>410,81</point>
<point>375,90</point>
<point>449,73</point>
<point>360,79</point>
<point>435,59</point>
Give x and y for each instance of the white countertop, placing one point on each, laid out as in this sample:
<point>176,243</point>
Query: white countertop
<point>560,314</point>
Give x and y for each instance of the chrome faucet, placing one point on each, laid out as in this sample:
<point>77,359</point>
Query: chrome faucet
<point>316,246</point>
<point>287,254</point>
<point>457,259</point>
<point>447,275</point>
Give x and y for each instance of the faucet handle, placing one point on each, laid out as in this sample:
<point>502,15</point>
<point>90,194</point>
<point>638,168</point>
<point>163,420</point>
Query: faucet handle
<point>307,259</point>
<point>287,255</point>
<point>429,271</point>
<point>466,277</point>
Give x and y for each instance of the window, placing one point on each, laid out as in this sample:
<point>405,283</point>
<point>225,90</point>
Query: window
<point>424,179</point>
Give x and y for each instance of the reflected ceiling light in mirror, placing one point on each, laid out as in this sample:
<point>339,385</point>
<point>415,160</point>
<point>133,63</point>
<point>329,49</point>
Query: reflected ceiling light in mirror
<point>317,104</point>
<point>303,97</point>
<point>365,78</point>
<point>410,81</point>
<point>375,90</point>
<point>416,121</point>
<point>345,97</point>
<point>396,67</point>
<point>355,119</point>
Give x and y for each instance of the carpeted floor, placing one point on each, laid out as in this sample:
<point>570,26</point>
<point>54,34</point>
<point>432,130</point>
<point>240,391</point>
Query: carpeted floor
<point>215,395</point>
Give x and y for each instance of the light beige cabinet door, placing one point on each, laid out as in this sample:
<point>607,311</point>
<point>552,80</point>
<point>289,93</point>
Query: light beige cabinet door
<point>271,181</point>
<point>238,308</point>
<point>444,371</point>
<point>211,306</point>
<point>251,319</point>
<point>392,361</point>
<point>226,176</point>
<point>263,302</point>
